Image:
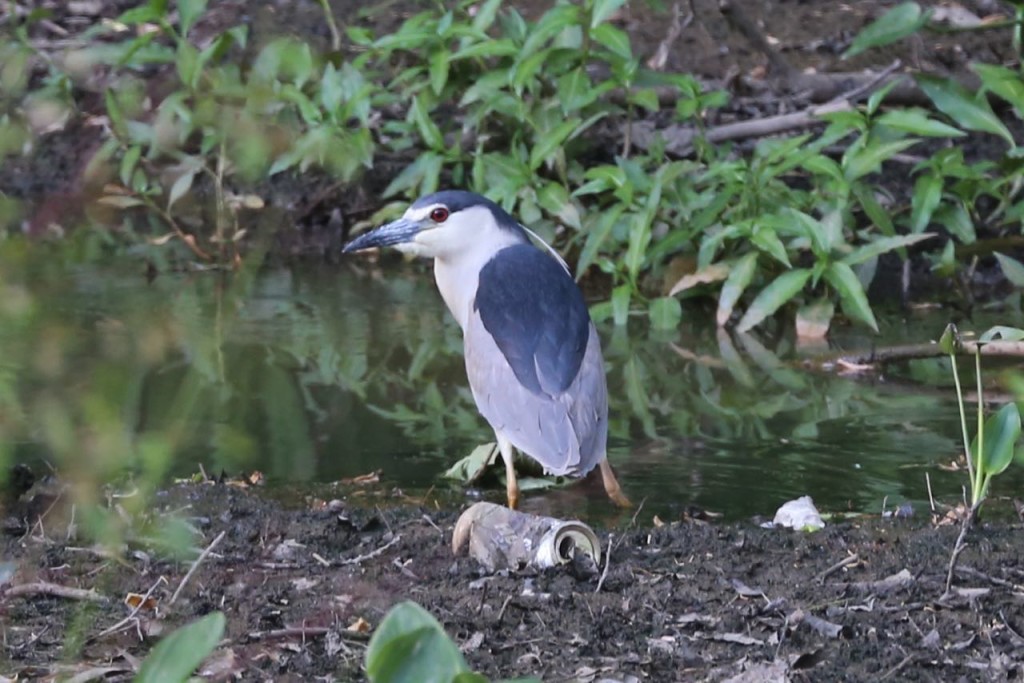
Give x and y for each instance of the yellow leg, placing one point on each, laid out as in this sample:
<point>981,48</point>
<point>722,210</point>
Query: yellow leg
<point>611,485</point>
<point>511,484</point>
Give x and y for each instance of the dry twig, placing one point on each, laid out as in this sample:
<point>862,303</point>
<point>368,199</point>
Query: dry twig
<point>56,590</point>
<point>195,565</point>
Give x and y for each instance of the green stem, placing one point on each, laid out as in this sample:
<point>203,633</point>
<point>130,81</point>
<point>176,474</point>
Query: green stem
<point>976,487</point>
<point>963,419</point>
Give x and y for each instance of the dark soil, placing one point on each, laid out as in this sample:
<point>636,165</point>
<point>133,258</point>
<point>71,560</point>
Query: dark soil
<point>858,601</point>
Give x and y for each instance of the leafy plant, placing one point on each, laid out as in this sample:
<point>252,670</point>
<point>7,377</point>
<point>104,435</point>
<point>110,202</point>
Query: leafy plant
<point>410,646</point>
<point>178,654</point>
<point>995,440</point>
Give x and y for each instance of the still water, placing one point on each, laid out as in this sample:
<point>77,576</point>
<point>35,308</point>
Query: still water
<point>318,373</point>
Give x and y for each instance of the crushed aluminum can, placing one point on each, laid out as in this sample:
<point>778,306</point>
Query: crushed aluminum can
<point>500,538</point>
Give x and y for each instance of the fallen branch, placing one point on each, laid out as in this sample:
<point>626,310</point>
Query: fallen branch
<point>373,553</point>
<point>290,632</point>
<point>821,87</point>
<point>841,564</point>
<point>894,354</point>
<point>56,590</point>
<point>679,139</point>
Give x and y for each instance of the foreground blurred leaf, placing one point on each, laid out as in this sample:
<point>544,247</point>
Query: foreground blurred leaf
<point>410,646</point>
<point>176,656</point>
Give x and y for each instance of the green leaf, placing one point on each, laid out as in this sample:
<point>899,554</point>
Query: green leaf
<point>604,9</point>
<point>859,162</point>
<point>918,122</point>
<point>877,97</point>
<point>969,110</point>
<point>188,12</point>
<point>645,97</point>
<point>882,245</point>
<point>554,199</point>
<point>1003,82</point>
<point>178,654</point>
<point>949,342</point>
<point>575,90</point>
<point>1012,269</point>
<point>468,469</point>
<point>620,304</point>
<point>767,240</point>
<point>896,24</point>
<point>613,38</point>
<point>485,15</point>
<point>1002,431</point>
<point>957,220</point>
<point>739,279</point>
<point>665,313</point>
<point>926,198</point>
<point>528,68</point>
<point>187,64</point>
<point>181,185</point>
<point>814,319</point>
<point>874,210</point>
<point>851,293</point>
<point>128,162</point>
<point>439,70</point>
<point>1002,333</point>
<point>550,142</point>
<point>773,297</point>
<point>410,646</point>
<point>596,236</point>
<point>489,48</point>
<point>115,114</point>
<point>413,174</point>
<point>428,130</point>
<point>554,21</point>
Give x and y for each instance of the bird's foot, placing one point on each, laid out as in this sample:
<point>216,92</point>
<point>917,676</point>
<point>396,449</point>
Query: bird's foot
<point>611,486</point>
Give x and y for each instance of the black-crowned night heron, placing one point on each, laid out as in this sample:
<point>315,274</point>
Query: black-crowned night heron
<point>532,354</point>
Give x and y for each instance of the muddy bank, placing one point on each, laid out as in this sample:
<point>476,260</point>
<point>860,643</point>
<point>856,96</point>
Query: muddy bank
<point>303,586</point>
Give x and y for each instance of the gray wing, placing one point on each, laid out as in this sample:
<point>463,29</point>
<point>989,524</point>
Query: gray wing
<point>565,431</point>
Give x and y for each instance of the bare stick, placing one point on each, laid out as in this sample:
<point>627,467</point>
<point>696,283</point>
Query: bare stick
<point>290,632</point>
<point>660,57</point>
<point>195,565</point>
<point>55,589</point>
<point>131,616</point>
<point>372,554</point>
<point>931,499</point>
<point>893,354</point>
<point>845,562</point>
<point>607,563</point>
<point>896,669</point>
<point>958,548</point>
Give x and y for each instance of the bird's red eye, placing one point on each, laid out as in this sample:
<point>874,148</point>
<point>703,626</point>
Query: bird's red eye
<point>439,215</point>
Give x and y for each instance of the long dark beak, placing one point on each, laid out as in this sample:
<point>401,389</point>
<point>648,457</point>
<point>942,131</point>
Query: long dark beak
<point>388,235</point>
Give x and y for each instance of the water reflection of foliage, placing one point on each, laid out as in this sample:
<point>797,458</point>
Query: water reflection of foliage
<point>314,373</point>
